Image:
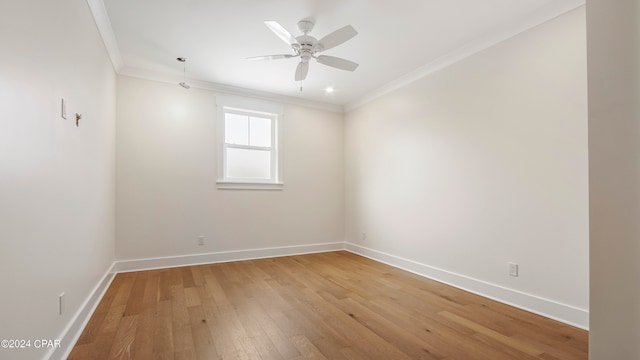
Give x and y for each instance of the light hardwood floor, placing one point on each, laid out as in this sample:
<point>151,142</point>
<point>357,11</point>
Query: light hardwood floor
<point>322,306</point>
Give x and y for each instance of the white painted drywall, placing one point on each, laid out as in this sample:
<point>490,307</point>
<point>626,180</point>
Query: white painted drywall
<point>481,164</point>
<point>613,33</point>
<point>57,181</point>
<point>166,178</point>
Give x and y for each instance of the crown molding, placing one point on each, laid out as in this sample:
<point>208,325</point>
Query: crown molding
<point>502,33</point>
<point>228,89</point>
<point>101,18</point>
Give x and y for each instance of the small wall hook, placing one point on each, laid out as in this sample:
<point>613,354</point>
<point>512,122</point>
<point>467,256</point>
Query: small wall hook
<point>78,117</point>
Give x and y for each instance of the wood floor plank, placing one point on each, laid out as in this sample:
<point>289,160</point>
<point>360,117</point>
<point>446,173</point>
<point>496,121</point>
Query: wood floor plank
<point>112,320</point>
<point>306,348</point>
<point>399,337</point>
<point>164,288</point>
<point>215,288</point>
<point>187,277</point>
<point>221,334</point>
<point>334,305</point>
<point>191,297</point>
<point>349,329</point>
<point>280,341</point>
<point>198,273</point>
<point>255,332</point>
<point>506,340</point>
<point>163,332</point>
<point>125,337</point>
<point>353,354</point>
<point>135,301</point>
<point>204,346</point>
<point>441,339</point>
<point>124,286</point>
<point>143,346</point>
<point>181,326</point>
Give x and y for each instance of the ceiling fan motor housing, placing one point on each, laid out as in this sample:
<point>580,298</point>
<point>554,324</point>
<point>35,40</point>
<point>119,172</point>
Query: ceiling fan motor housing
<point>306,47</point>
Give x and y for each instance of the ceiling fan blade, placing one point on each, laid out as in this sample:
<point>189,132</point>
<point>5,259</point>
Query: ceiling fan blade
<point>270,57</point>
<point>281,32</point>
<point>302,70</point>
<point>337,62</point>
<point>336,38</point>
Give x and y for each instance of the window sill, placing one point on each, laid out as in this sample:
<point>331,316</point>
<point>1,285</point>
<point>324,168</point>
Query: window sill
<point>231,185</point>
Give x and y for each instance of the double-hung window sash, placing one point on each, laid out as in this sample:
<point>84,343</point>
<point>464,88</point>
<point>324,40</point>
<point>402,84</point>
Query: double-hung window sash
<point>250,146</point>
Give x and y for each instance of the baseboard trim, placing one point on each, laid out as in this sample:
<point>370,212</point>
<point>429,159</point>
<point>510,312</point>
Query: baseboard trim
<point>226,256</point>
<point>72,332</point>
<point>548,308</point>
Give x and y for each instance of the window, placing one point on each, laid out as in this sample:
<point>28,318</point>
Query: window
<point>249,146</point>
<point>249,149</point>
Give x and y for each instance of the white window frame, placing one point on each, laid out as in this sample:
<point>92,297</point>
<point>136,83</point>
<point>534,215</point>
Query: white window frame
<point>257,108</point>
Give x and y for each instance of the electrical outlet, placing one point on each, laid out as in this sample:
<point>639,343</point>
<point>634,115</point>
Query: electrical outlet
<point>61,304</point>
<point>513,269</point>
<point>363,237</point>
<point>200,240</point>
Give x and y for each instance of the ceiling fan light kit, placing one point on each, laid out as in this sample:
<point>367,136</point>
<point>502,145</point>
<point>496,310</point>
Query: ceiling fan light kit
<point>306,47</point>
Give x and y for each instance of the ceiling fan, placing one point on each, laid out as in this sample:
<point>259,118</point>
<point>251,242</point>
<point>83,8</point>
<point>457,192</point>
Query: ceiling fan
<point>306,47</point>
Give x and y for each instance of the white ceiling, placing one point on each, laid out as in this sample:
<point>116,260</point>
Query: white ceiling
<point>397,39</point>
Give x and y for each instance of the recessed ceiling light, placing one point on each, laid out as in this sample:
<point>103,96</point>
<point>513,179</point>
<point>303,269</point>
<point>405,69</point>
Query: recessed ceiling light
<point>329,89</point>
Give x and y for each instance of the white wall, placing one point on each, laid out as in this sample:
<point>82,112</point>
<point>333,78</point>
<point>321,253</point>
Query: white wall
<point>57,186</point>
<point>481,164</point>
<point>166,173</point>
<point>613,29</point>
